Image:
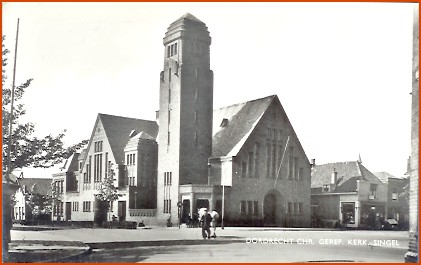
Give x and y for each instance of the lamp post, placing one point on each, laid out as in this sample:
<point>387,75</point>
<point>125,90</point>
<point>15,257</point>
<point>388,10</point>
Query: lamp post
<point>179,205</point>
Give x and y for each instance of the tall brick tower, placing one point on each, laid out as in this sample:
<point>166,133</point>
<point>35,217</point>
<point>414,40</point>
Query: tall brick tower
<point>185,113</point>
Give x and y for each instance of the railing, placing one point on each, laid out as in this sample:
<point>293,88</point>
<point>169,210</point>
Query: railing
<point>142,212</point>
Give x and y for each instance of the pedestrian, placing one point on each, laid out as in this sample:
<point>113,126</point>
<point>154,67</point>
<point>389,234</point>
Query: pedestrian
<point>215,217</point>
<point>206,221</point>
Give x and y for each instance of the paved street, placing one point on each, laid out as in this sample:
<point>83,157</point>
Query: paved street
<point>233,245</point>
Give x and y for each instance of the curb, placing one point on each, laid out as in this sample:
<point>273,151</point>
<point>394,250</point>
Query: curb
<point>158,243</point>
<point>72,258</point>
<point>33,254</point>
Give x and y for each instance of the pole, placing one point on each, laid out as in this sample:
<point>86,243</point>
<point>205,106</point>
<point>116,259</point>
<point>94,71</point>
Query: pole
<point>9,159</point>
<point>8,186</point>
<point>282,159</point>
<point>223,205</point>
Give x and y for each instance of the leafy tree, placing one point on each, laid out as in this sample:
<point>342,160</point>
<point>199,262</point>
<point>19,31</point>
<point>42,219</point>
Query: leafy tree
<point>55,199</point>
<point>38,203</point>
<point>108,192</point>
<point>26,149</point>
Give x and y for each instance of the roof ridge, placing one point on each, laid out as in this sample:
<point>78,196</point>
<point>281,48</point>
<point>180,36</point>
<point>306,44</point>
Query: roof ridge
<point>340,162</point>
<point>245,102</point>
<point>123,117</point>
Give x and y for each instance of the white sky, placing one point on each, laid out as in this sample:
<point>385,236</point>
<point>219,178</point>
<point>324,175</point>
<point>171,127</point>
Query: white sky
<point>342,71</point>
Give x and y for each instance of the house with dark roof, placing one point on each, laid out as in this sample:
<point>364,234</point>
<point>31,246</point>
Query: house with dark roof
<point>21,210</point>
<point>124,145</point>
<point>347,192</point>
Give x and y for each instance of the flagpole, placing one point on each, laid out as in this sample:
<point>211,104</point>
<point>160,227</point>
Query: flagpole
<point>279,169</point>
<point>9,159</point>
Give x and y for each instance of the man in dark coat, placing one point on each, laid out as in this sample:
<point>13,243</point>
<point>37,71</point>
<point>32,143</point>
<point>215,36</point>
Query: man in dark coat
<point>206,221</point>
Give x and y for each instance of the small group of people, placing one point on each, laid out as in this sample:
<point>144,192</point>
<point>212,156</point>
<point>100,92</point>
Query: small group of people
<point>208,220</point>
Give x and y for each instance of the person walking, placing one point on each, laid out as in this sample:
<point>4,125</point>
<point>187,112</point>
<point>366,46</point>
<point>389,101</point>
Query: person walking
<point>206,221</point>
<point>215,216</point>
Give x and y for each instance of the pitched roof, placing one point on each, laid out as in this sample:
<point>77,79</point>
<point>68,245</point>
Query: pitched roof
<point>384,176</point>
<point>118,130</point>
<point>347,175</point>
<point>136,138</point>
<point>238,120</point>
<point>43,185</point>
<point>70,164</point>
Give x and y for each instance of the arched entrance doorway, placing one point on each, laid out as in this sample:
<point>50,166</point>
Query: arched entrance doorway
<point>272,208</point>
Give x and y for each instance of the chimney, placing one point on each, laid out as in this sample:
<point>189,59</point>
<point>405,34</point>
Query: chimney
<point>157,116</point>
<point>334,178</point>
<point>313,163</point>
<point>408,166</point>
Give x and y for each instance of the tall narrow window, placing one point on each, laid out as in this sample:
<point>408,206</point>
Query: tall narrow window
<point>300,174</point>
<point>274,163</point>
<point>169,75</point>
<point>279,160</point>
<point>295,207</point>
<point>289,208</point>
<point>169,116</point>
<point>255,208</point>
<point>89,169</point>
<point>243,206</point>
<point>243,169</point>
<point>295,167</point>
<point>256,159</point>
<point>106,165</point>
<point>249,207</point>
<point>169,51</point>
<point>291,163</point>
<point>268,152</point>
<point>169,136</point>
<point>175,48</point>
<point>250,165</point>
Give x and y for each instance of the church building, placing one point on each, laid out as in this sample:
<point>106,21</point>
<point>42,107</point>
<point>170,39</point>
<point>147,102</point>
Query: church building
<point>243,160</point>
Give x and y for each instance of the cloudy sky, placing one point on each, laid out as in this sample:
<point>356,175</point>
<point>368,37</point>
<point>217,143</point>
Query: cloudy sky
<point>342,71</point>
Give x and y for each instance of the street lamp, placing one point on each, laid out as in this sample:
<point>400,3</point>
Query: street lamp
<point>179,205</point>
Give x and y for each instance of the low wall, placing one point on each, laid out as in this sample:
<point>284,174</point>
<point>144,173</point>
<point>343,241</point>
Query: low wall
<point>147,216</point>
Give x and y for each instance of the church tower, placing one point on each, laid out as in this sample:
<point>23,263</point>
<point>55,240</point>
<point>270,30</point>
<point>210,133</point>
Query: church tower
<point>185,113</point>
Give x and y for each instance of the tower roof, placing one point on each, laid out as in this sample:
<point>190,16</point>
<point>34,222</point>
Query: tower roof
<point>187,25</point>
<point>190,17</point>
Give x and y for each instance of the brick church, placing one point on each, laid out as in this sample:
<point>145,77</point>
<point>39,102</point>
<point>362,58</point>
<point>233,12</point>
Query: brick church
<point>243,160</point>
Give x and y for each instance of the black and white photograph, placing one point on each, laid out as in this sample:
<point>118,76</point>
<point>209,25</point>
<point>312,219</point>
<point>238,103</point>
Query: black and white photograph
<point>210,132</point>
